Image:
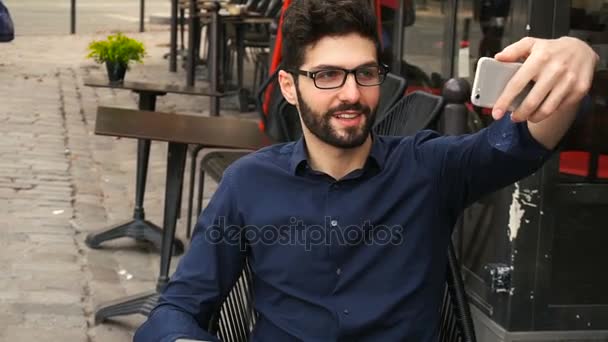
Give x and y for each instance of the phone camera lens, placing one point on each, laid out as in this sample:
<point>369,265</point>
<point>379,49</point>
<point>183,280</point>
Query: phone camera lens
<point>477,96</point>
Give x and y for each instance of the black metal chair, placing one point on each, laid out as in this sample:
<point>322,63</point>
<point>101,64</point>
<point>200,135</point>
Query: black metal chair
<point>236,317</point>
<point>235,320</point>
<point>281,123</point>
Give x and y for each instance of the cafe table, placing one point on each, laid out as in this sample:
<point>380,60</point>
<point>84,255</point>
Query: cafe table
<point>138,227</point>
<point>178,130</point>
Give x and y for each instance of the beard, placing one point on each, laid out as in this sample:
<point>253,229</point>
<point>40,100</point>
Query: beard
<point>320,124</point>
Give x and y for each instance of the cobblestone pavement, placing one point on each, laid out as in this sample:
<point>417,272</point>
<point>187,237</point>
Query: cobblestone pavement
<point>59,181</point>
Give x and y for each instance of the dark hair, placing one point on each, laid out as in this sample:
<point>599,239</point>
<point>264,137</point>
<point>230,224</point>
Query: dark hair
<point>308,21</point>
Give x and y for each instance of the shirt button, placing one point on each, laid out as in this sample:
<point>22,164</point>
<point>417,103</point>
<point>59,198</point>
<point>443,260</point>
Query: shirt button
<point>333,223</point>
<point>346,312</point>
<point>338,271</point>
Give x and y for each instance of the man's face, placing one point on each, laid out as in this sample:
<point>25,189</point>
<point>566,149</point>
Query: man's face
<point>339,117</point>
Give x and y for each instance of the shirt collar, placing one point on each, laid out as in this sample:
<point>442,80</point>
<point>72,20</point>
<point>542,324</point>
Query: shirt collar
<point>299,155</point>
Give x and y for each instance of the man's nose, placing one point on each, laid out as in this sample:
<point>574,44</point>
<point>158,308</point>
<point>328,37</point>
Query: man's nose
<point>350,92</point>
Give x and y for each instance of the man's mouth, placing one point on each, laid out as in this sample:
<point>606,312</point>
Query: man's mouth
<point>347,115</point>
<point>349,118</point>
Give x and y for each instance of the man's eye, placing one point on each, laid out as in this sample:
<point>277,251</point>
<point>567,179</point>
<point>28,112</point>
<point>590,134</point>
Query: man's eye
<point>367,72</point>
<point>329,74</point>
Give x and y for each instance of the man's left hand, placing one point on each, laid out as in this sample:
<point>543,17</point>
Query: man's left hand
<point>562,70</point>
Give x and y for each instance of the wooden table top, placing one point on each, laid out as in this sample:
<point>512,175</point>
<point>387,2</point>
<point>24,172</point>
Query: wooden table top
<point>220,132</point>
<point>157,88</point>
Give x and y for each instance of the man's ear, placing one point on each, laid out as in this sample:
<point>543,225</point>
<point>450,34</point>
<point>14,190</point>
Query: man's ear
<point>288,87</point>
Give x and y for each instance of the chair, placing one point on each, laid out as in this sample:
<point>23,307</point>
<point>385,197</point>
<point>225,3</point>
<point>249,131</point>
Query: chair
<point>236,317</point>
<point>256,39</point>
<point>214,163</point>
<point>392,91</point>
<point>281,122</point>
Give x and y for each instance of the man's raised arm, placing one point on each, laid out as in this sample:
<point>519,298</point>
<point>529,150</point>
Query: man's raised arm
<point>562,70</point>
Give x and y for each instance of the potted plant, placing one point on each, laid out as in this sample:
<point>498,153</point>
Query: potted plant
<point>116,52</point>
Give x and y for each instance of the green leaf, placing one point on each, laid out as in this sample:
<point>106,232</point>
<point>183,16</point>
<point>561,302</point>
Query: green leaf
<point>117,48</point>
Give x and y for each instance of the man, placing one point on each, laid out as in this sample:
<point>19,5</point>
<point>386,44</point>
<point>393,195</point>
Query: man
<point>7,30</point>
<point>371,216</point>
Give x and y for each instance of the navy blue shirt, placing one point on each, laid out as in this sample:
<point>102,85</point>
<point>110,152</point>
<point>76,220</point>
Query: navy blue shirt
<point>362,258</point>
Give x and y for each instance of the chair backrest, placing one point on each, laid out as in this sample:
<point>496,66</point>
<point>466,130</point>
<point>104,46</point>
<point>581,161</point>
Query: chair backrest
<point>416,111</point>
<point>456,322</point>
<point>261,6</point>
<point>236,317</point>
<point>274,7</point>
<point>392,89</point>
<point>271,106</point>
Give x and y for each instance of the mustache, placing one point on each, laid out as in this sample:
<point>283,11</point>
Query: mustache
<point>365,110</point>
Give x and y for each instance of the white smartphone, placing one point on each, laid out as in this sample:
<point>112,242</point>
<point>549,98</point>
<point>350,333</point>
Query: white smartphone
<point>491,79</point>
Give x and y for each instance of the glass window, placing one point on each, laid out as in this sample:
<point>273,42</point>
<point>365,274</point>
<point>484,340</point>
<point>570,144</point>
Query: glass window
<point>423,41</point>
<point>482,30</point>
<point>586,146</point>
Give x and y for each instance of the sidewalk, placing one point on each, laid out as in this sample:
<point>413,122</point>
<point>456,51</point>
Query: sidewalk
<point>59,181</point>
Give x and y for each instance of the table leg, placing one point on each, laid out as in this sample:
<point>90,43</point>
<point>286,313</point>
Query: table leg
<point>145,302</point>
<point>240,54</point>
<point>182,23</point>
<point>191,62</point>
<point>173,38</point>
<point>214,62</point>
<point>176,162</point>
<point>73,17</point>
<point>138,228</point>
<point>142,15</point>
<point>240,61</point>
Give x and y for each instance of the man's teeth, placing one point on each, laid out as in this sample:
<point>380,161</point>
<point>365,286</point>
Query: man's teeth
<point>347,116</point>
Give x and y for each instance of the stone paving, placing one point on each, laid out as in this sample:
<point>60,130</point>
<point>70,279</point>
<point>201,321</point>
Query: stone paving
<point>59,181</point>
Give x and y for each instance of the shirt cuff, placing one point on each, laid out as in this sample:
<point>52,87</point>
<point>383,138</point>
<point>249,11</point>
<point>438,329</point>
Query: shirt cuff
<point>515,139</point>
<point>167,325</point>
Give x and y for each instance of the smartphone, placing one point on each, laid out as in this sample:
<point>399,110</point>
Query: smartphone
<point>491,79</point>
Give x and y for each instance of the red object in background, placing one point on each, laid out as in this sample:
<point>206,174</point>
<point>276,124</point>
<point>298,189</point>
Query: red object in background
<point>275,62</point>
<point>602,167</point>
<point>276,56</point>
<point>577,163</point>
<point>390,3</point>
<point>574,163</point>
<point>412,88</point>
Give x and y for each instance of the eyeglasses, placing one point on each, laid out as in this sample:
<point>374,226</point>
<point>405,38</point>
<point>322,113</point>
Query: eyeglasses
<point>365,76</point>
